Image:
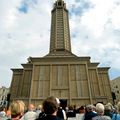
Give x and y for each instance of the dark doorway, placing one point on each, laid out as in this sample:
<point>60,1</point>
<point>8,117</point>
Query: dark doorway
<point>63,103</point>
<point>100,102</point>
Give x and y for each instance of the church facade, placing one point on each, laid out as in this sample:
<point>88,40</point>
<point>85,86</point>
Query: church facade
<point>60,73</point>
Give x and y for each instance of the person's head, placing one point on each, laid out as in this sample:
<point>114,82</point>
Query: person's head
<point>118,107</point>
<point>89,108</point>
<point>2,109</point>
<point>17,108</point>
<point>71,107</point>
<point>108,108</point>
<point>109,104</point>
<point>2,112</point>
<point>40,107</point>
<point>100,109</point>
<point>50,105</point>
<point>82,109</point>
<point>31,107</point>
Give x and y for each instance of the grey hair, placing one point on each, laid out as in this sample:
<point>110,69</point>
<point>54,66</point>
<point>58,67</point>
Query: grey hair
<point>118,107</point>
<point>100,108</point>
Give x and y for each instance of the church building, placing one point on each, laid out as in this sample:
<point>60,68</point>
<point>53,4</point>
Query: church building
<point>74,80</point>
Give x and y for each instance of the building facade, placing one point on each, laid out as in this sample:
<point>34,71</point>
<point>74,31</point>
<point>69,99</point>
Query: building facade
<point>115,87</point>
<point>60,73</point>
<point>3,96</point>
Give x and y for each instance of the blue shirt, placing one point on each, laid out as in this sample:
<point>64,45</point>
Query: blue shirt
<point>116,117</point>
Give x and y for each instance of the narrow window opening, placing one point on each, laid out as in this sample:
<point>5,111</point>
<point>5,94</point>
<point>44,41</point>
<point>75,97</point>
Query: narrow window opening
<point>59,3</point>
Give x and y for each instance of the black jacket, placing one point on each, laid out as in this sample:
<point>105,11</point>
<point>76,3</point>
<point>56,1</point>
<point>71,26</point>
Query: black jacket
<point>49,117</point>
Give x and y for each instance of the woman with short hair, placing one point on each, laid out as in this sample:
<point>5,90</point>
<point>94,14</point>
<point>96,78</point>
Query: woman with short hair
<point>17,109</point>
<point>100,113</point>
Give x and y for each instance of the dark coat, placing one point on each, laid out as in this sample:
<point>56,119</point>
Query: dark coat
<point>90,115</point>
<point>50,117</point>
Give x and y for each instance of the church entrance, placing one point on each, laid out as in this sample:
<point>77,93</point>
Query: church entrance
<point>63,103</point>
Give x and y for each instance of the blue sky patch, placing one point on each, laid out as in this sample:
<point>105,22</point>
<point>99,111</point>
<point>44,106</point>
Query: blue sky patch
<point>79,10</point>
<point>73,35</point>
<point>113,73</point>
<point>26,4</point>
<point>24,7</point>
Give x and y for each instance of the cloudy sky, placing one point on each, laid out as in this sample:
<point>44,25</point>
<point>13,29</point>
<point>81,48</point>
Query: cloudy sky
<point>25,31</point>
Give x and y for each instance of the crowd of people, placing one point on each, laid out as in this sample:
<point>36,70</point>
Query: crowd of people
<point>51,110</point>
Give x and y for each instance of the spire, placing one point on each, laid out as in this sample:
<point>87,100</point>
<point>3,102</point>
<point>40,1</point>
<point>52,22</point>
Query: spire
<point>59,3</point>
<point>60,33</point>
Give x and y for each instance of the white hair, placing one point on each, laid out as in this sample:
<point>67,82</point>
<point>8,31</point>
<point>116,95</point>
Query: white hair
<point>100,108</point>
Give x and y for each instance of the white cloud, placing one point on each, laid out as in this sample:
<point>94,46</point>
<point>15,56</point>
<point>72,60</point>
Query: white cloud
<point>115,17</point>
<point>8,14</point>
<point>95,32</point>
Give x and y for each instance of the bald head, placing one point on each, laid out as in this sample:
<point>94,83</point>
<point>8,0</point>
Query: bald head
<point>31,107</point>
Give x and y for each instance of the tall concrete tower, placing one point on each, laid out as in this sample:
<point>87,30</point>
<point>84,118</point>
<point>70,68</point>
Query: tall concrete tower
<point>72,79</point>
<point>60,32</point>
